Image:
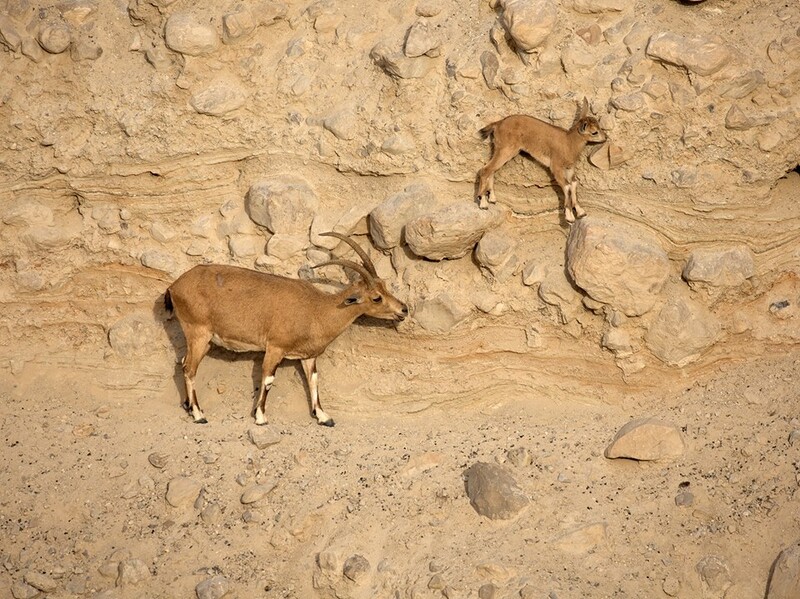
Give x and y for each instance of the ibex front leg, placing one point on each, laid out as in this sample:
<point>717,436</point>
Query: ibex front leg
<point>310,370</point>
<point>272,358</point>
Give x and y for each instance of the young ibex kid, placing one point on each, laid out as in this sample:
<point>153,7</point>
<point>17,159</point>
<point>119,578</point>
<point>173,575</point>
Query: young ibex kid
<point>246,310</point>
<point>556,148</point>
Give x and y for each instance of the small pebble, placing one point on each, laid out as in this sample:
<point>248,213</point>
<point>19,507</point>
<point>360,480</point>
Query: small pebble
<point>158,460</point>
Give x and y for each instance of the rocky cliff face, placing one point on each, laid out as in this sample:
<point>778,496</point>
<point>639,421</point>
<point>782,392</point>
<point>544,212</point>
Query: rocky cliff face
<point>144,137</point>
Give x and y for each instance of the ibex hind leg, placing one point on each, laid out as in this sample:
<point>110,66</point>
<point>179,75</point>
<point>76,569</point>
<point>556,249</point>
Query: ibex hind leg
<point>500,156</point>
<point>195,351</point>
<point>310,370</point>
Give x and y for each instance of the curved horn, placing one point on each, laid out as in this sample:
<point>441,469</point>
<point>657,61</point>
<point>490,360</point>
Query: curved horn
<point>358,249</point>
<point>365,274</point>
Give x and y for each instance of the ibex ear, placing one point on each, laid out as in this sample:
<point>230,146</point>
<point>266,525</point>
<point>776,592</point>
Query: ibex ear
<point>353,299</point>
<point>583,127</point>
<point>584,108</point>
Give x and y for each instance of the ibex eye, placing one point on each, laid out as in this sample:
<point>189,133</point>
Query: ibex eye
<point>377,300</point>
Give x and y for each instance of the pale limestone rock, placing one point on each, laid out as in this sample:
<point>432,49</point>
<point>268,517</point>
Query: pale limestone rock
<point>715,576</point>
<point>420,463</point>
<point>452,231</point>
<point>22,590</point>
<point>398,144</point>
<point>342,123</point>
<point>440,313</point>
<point>646,439</point>
<point>617,263</point>
<point>158,260</point>
<point>495,250</point>
<point>182,491</point>
<point>700,54</point>
<point>583,539</point>
<point>493,492</point>
<point>82,49</point>
<point>243,245</point>
<point>785,580</point>
<point>577,57</point>
<point>133,335</point>
<point>258,492</point>
<point>489,68</point>
<point>395,63</point>
<point>28,214</point>
<point>183,33</point>
<point>628,102</point>
<point>238,25</point>
<point>529,22</point>
<point>720,267</point>
<point>77,12</point>
<point>741,86</point>
<point>285,204</point>
<point>682,330</point>
<point>54,37</point>
<point>421,40</point>
<point>738,120</point>
<point>264,436</point>
<point>41,581</point>
<point>609,155</point>
<point>599,6</point>
<point>213,588</point>
<point>132,571</point>
<point>618,341</point>
<point>556,290</point>
<point>9,35</point>
<point>218,98</point>
<point>388,220</point>
<point>283,246</point>
<point>428,8</point>
<point>356,568</point>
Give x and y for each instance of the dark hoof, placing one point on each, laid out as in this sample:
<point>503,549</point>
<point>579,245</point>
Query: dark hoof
<point>262,423</point>
<point>201,421</point>
<point>328,422</point>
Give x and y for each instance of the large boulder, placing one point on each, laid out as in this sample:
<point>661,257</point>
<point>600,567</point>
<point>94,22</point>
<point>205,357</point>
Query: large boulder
<point>529,22</point>
<point>700,54</point>
<point>285,204</point>
<point>183,33</point>
<point>388,219</point>
<point>493,492</point>
<point>720,267</point>
<point>617,263</point>
<point>646,439</point>
<point>682,330</point>
<point>451,232</point>
<point>785,580</point>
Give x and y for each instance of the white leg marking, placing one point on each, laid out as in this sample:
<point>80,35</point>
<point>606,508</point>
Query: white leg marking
<point>266,384</point>
<point>313,384</point>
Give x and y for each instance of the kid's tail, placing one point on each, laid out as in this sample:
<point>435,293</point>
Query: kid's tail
<point>487,130</point>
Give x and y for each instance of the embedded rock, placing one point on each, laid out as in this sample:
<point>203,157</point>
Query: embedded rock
<point>182,491</point>
<point>452,231</point>
<point>720,267</point>
<point>493,492</point>
<point>699,54</point>
<point>682,330</point>
<point>183,33</point>
<point>220,97</point>
<point>388,220</point>
<point>617,264</point>
<point>132,335</point>
<point>646,439</point>
<point>285,204</point>
<point>439,314</point>
<point>54,37</point>
<point>785,580</point>
<point>529,22</point>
